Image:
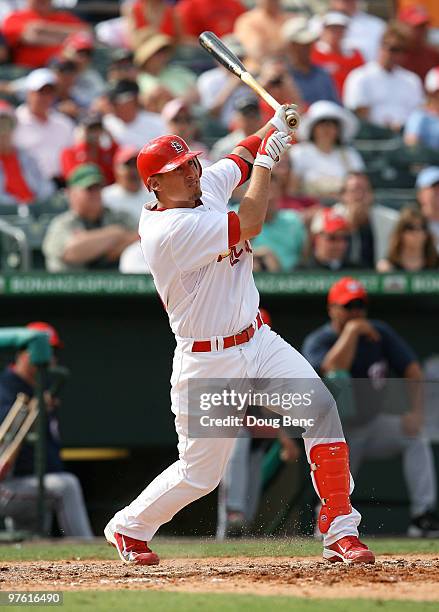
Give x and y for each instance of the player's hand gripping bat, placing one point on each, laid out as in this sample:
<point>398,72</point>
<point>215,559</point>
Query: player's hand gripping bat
<point>216,48</point>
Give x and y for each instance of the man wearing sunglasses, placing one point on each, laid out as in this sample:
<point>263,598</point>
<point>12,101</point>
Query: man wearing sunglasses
<point>371,352</point>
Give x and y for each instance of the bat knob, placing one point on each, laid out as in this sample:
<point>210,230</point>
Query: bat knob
<point>293,121</point>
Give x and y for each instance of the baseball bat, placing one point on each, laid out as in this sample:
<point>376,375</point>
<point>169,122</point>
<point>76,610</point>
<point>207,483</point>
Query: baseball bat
<point>216,48</point>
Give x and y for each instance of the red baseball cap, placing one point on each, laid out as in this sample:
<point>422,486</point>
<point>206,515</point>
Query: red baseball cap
<point>54,339</point>
<point>414,15</point>
<point>345,290</point>
<point>328,221</point>
<point>79,41</point>
<point>124,154</point>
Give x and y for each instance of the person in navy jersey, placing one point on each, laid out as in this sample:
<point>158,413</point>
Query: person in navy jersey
<point>371,350</point>
<point>19,489</point>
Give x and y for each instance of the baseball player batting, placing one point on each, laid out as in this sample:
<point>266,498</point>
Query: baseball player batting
<point>201,261</point>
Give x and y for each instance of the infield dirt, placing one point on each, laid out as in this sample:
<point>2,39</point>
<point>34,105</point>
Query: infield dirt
<point>412,577</point>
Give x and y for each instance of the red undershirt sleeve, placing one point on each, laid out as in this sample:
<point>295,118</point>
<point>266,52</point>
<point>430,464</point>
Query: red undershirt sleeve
<point>234,228</point>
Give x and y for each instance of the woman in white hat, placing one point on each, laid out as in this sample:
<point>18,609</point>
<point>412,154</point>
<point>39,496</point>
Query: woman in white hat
<point>422,127</point>
<point>323,157</point>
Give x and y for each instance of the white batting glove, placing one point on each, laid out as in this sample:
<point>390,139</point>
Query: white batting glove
<point>271,149</point>
<point>281,116</point>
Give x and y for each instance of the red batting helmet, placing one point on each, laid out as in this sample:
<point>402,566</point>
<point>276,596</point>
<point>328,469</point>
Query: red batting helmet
<point>162,155</point>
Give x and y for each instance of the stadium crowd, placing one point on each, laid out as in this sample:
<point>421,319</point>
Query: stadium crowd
<point>359,190</point>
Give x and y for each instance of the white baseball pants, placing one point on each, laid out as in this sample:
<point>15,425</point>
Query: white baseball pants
<point>202,461</point>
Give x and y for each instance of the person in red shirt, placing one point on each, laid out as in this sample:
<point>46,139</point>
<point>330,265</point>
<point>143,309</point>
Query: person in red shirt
<point>200,15</point>
<point>36,34</point>
<point>328,52</point>
<point>21,181</point>
<point>153,17</point>
<point>421,56</point>
<point>94,145</point>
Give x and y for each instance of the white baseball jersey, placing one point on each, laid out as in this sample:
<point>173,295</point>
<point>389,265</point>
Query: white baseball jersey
<point>203,277</point>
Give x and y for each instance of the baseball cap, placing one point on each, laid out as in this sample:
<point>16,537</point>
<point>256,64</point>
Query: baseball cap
<point>7,109</point>
<point>431,82</point>
<point>85,175</point>
<point>39,78</point>
<point>298,30</point>
<point>123,89</point>
<point>149,48</point>
<point>124,154</point>
<point>414,15</point>
<point>335,18</point>
<point>54,339</point>
<point>328,221</point>
<point>172,108</point>
<point>428,177</point>
<point>78,41</point>
<point>345,290</point>
<point>246,103</point>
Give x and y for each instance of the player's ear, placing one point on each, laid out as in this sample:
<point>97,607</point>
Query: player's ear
<point>153,183</point>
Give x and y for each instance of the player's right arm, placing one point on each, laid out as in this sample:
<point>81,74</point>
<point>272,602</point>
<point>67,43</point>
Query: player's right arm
<point>253,207</point>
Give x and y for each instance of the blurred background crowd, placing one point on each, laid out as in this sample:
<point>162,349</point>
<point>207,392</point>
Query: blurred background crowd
<point>84,85</point>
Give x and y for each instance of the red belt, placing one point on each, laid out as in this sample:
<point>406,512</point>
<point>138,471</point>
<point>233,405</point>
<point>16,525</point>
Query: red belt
<point>204,346</point>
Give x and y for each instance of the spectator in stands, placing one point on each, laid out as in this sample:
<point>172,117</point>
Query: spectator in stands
<point>79,47</point>
<point>421,56</point>
<point>128,194</point>
<point>259,30</point>
<point>279,246</point>
<point>128,123</point>
<point>427,193</point>
<point>289,198</point>
<point>19,491</point>
<point>328,51</point>
<point>180,121</point>
<point>218,89</point>
<point>199,15</point>
<point>371,350</point>
<point>382,92</point>
<point>422,127</point>
<point>371,224</point>
<point>132,260</point>
<point>149,17</point>
<point>411,245</point>
<point>364,31</point>
<point>122,67</point>
<point>246,121</point>
<point>21,181</point>
<point>88,236</point>
<point>153,60</point>
<point>93,144</point>
<point>314,83</point>
<point>275,78</point>
<point>330,234</point>
<point>66,72</point>
<point>4,51</point>
<point>36,34</point>
<point>324,157</point>
<point>42,131</point>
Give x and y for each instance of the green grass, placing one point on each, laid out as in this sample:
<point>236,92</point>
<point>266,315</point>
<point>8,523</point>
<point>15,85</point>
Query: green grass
<point>208,602</point>
<point>171,548</point>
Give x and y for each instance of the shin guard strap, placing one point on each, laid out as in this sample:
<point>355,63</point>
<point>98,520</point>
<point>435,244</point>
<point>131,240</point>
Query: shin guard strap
<point>330,473</point>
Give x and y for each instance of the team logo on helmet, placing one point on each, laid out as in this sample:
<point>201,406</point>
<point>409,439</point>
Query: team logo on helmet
<point>177,146</point>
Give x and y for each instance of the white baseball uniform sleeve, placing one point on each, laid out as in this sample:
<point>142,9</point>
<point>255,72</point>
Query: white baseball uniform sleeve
<point>202,272</point>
